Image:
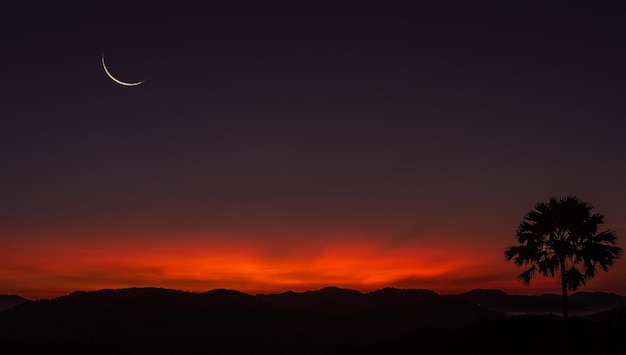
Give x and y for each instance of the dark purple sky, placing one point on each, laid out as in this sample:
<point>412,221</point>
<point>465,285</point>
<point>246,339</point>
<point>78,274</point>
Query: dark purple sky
<point>296,125</point>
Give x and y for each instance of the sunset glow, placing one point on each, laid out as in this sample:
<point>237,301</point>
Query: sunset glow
<point>50,267</point>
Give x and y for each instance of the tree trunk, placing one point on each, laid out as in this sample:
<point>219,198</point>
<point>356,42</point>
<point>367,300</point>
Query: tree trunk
<point>564,305</point>
<point>564,291</point>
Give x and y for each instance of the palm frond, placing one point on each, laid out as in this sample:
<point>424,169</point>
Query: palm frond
<point>590,269</point>
<point>607,236</point>
<point>527,275</point>
<point>548,265</point>
<point>521,254</point>
<point>575,279</point>
<point>599,254</point>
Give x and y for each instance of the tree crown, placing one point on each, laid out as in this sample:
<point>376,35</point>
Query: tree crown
<point>562,236</point>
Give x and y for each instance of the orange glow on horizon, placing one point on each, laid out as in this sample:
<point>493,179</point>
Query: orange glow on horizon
<point>52,267</point>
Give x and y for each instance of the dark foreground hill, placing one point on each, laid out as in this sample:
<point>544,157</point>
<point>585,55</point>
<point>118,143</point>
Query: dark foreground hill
<point>580,303</point>
<point>331,320</point>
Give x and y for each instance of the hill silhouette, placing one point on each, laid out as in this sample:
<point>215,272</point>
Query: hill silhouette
<point>8,301</point>
<point>330,320</point>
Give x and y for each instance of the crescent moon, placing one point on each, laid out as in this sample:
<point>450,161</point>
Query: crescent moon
<point>116,80</point>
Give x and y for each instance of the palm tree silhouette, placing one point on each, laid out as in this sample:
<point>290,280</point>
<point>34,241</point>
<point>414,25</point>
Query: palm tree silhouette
<point>562,237</point>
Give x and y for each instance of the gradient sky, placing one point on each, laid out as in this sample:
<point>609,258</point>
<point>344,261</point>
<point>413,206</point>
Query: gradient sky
<point>300,144</point>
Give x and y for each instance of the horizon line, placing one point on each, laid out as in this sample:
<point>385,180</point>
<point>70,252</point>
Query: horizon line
<point>310,290</point>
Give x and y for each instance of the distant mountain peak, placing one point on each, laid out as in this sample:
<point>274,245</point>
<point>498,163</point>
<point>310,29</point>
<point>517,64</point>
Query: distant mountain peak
<point>9,301</point>
<point>337,290</point>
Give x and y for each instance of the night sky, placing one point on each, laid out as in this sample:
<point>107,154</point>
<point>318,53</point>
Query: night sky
<point>299,144</point>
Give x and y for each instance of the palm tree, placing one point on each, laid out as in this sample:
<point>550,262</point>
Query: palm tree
<point>562,237</point>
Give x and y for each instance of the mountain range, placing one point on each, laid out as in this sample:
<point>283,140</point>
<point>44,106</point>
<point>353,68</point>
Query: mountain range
<point>330,320</point>
<point>338,299</point>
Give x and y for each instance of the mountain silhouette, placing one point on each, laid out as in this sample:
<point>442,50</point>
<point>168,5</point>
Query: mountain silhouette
<point>330,320</point>
<point>8,301</point>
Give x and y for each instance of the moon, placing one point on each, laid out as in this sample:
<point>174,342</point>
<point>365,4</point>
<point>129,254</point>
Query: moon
<point>117,80</point>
